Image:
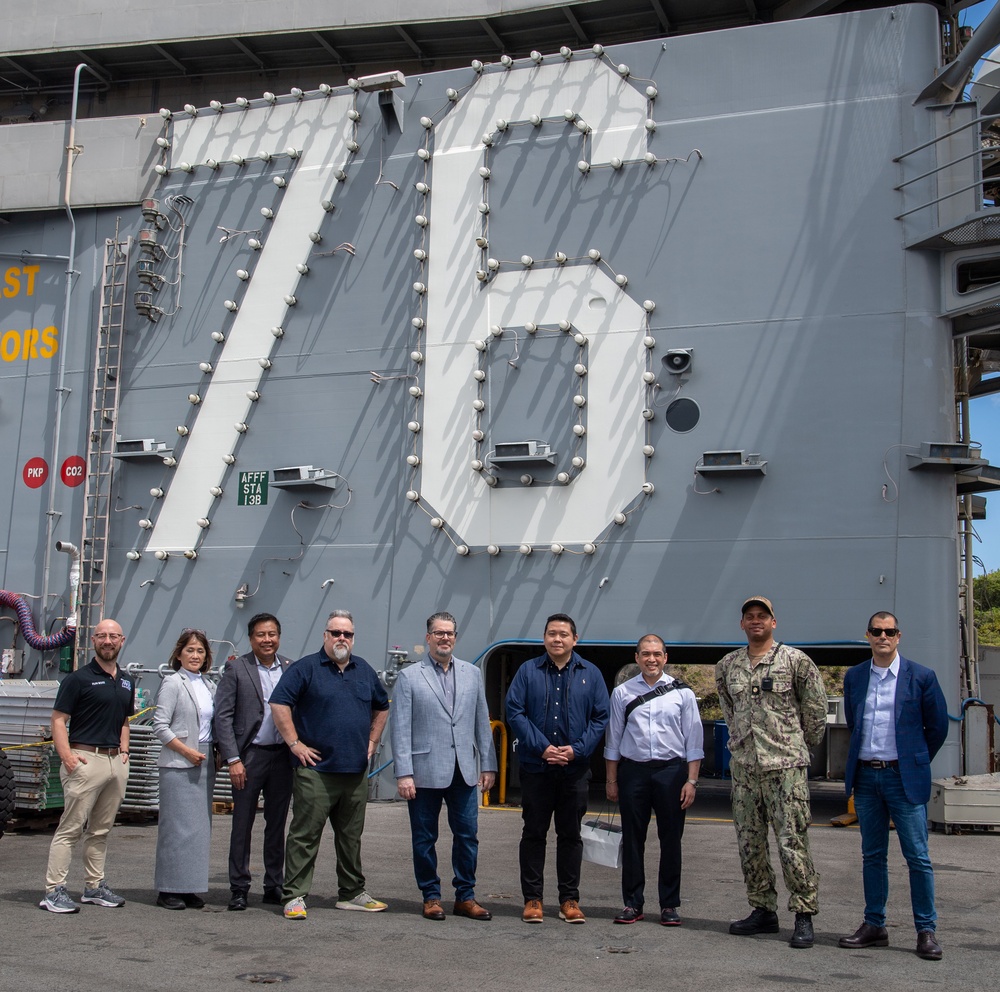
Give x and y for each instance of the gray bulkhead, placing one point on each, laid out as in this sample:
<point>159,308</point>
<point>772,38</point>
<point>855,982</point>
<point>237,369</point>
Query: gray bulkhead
<point>764,232</point>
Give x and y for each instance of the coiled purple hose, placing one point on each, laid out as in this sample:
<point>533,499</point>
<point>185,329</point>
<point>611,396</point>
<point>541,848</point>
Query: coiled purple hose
<point>27,624</point>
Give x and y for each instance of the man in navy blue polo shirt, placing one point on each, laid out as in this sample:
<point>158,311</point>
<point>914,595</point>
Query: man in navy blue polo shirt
<point>330,709</point>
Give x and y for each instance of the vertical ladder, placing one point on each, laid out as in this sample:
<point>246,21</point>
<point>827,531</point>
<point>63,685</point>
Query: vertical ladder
<point>101,441</point>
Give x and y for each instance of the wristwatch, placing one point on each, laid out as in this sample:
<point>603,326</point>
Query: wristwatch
<point>693,781</point>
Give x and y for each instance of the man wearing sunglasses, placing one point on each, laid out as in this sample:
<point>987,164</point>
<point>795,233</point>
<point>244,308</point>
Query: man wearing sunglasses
<point>898,719</point>
<point>330,709</point>
<point>442,747</point>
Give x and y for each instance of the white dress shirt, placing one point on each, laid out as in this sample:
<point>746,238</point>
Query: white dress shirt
<point>206,706</point>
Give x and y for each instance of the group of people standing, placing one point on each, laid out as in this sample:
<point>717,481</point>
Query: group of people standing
<point>306,732</point>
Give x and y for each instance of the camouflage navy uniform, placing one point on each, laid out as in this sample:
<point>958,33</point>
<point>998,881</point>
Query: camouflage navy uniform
<point>770,733</point>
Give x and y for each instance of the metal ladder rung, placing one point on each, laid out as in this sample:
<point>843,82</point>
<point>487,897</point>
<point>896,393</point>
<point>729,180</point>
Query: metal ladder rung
<point>103,419</point>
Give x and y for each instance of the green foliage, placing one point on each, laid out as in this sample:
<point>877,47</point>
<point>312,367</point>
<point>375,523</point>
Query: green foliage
<point>701,678</point>
<point>986,597</point>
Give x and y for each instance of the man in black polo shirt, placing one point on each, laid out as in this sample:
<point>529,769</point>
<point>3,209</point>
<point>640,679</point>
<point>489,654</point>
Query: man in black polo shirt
<point>330,709</point>
<point>90,733</point>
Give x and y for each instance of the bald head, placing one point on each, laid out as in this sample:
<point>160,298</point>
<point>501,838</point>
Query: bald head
<point>108,640</point>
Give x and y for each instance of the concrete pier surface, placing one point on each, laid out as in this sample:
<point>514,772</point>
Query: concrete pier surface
<point>143,947</point>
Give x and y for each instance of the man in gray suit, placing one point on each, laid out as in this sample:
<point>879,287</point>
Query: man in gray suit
<point>442,747</point>
<point>257,759</point>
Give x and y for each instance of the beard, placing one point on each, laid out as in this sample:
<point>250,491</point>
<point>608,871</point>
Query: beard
<point>341,652</point>
<point>107,651</point>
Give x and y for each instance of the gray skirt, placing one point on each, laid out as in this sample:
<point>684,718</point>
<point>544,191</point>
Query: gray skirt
<point>185,830</point>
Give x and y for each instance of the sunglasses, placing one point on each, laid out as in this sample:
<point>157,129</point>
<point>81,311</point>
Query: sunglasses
<point>879,631</point>
<point>340,633</point>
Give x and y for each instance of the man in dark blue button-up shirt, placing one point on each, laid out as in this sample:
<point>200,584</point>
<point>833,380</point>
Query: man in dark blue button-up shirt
<point>557,708</point>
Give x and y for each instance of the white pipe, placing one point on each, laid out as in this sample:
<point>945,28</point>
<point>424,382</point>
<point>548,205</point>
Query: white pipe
<point>74,578</point>
<point>51,514</point>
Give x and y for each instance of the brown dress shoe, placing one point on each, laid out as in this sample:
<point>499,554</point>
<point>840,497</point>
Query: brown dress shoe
<point>927,946</point>
<point>866,936</point>
<point>570,912</point>
<point>433,910</point>
<point>471,909</point>
<point>532,911</point>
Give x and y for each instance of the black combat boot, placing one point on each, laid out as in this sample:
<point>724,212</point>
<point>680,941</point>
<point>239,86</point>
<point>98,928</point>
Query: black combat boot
<point>803,936</point>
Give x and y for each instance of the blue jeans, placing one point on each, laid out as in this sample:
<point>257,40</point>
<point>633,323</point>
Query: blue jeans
<point>463,819</point>
<point>879,796</point>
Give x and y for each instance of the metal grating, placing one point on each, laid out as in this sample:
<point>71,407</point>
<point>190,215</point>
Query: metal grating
<point>25,723</point>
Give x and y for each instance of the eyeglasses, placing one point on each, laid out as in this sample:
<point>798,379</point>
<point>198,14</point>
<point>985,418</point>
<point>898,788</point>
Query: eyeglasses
<point>879,631</point>
<point>340,633</point>
<point>194,630</point>
<point>108,637</point>
<point>441,635</point>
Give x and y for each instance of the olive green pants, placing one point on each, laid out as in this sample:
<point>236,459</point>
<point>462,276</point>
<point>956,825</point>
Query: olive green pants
<point>316,798</point>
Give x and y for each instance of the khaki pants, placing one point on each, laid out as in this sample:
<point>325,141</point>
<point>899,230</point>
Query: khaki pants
<point>92,795</point>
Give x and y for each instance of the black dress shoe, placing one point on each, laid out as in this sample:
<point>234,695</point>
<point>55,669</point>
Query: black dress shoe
<point>866,936</point>
<point>170,900</point>
<point>927,946</point>
<point>759,921</point>
<point>193,901</point>
<point>237,902</point>
<point>272,897</point>
<point>803,935</point>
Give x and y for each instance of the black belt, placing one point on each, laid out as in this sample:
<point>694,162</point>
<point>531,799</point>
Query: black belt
<point>269,747</point>
<point>879,764</point>
<point>664,763</point>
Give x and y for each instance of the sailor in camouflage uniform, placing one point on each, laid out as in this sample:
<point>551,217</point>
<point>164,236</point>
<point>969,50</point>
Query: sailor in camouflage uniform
<point>773,699</point>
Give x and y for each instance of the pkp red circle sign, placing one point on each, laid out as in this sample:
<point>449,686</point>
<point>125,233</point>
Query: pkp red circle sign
<point>73,471</point>
<point>35,472</point>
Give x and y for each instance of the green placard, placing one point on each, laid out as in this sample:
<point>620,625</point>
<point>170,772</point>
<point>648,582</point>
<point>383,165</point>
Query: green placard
<point>253,489</point>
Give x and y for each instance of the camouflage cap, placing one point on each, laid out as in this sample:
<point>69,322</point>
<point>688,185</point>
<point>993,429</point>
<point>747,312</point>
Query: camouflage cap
<point>757,601</point>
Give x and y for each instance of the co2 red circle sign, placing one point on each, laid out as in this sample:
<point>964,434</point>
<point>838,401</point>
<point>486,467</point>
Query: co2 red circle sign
<point>35,472</point>
<point>73,470</point>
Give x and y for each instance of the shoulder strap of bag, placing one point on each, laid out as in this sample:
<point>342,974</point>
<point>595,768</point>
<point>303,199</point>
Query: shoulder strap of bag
<point>661,690</point>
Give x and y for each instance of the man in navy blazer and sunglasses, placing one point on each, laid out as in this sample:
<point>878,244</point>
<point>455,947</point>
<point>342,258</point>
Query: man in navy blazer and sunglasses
<point>898,719</point>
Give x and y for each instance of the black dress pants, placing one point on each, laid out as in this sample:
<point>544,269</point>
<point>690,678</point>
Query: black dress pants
<point>645,787</point>
<point>559,791</point>
<point>269,771</point>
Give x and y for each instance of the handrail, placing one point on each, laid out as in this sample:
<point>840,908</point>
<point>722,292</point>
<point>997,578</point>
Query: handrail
<point>496,725</point>
<point>979,119</point>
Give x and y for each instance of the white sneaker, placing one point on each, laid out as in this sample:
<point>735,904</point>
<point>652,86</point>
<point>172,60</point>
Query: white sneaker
<point>295,909</point>
<point>58,901</point>
<point>363,902</point>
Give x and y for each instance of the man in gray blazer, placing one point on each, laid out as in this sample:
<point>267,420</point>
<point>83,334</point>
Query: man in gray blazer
<point>257,758</point>
<point>442,747</point>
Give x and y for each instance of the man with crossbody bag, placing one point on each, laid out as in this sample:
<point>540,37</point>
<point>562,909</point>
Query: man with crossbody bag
<point>653,756</point>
